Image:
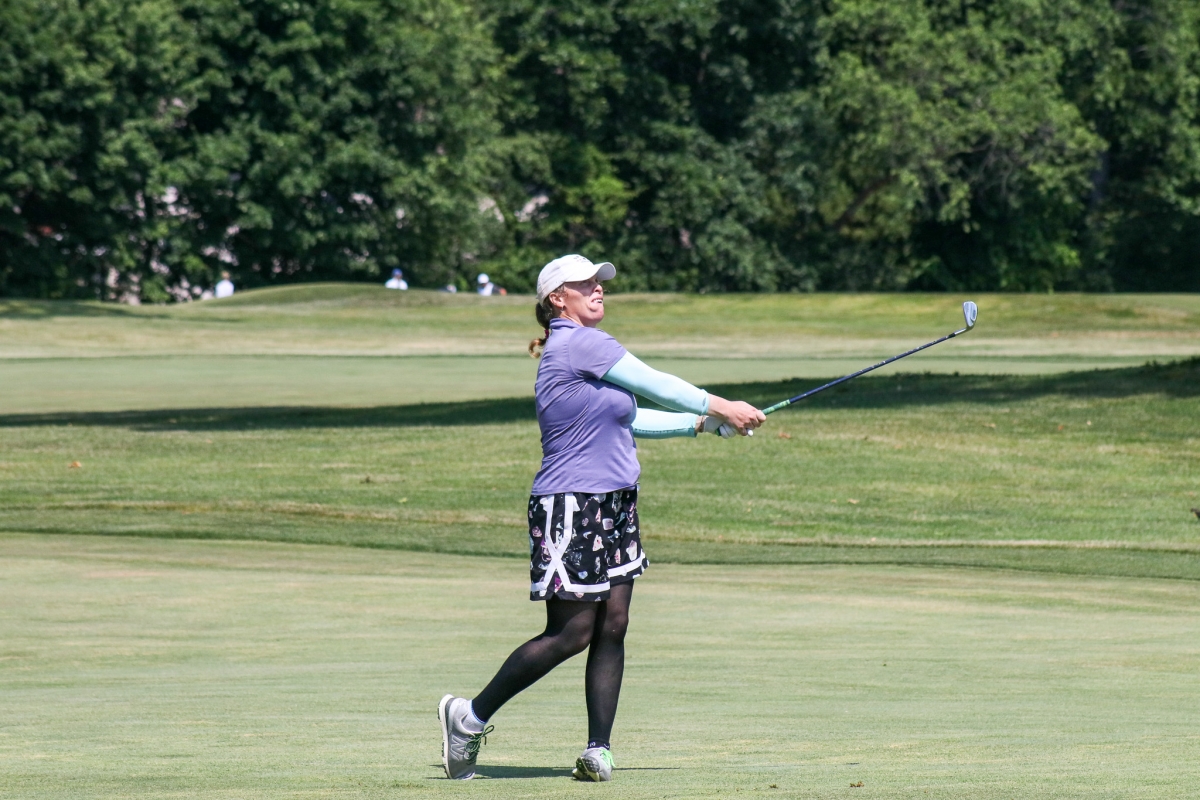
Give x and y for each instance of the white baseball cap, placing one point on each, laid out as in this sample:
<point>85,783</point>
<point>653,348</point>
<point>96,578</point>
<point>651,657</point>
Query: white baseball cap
<point>483,278</point>
<point>571,268</point>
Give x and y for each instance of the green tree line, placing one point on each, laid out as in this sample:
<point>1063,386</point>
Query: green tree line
<point>706,145</point>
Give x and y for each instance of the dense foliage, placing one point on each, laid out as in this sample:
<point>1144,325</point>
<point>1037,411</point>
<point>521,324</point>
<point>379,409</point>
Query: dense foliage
<point>148,145</point>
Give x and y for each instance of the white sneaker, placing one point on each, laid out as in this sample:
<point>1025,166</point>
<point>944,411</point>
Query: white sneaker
<point>460,740</point>
<point>596,764</point>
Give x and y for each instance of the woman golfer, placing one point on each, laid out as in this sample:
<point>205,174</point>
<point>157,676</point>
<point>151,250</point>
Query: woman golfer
<point>584,538</point>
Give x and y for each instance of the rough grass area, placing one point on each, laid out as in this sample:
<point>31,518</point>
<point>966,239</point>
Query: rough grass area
<point>1085,472</point>
<point>153,669</point>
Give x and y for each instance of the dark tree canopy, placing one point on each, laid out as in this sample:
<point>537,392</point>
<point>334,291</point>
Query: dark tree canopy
<point>146,146</point>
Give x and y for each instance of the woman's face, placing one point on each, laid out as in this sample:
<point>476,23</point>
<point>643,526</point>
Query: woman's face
<point>581,302</point>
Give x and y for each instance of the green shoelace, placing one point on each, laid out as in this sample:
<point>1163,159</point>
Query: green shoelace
<point>477,739</point>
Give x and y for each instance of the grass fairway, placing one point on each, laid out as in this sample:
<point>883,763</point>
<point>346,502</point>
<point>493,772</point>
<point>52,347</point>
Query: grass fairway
<point>247,545</point>
<point>1089,473</point>
<point>147,668</point>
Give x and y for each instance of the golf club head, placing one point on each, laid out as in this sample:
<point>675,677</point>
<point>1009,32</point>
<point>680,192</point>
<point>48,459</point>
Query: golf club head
<point>970,313</point>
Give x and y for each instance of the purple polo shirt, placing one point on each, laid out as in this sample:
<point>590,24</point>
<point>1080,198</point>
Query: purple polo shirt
<point>587,424</point>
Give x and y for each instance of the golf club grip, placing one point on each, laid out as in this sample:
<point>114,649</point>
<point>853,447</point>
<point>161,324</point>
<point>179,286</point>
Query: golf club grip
<point>844,378</point>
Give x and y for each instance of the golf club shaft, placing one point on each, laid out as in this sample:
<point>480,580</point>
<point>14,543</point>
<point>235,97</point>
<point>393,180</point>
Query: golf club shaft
<point>844,378</point>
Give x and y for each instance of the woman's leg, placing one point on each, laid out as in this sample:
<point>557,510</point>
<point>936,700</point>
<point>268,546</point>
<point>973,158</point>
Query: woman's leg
<point>606,663</point>
<point>568,632</point>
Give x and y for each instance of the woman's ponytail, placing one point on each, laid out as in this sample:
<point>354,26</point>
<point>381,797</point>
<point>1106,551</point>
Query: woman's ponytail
<point>544,311</point>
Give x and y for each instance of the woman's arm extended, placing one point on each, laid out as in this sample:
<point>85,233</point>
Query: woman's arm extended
<point>666,390</point>
<point>650,424</point>
<point>630,373</point>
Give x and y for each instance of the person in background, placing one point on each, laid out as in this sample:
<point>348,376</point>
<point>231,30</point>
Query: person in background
<point>224,286</point>
<point>397,280</point>
<point>484,285</point>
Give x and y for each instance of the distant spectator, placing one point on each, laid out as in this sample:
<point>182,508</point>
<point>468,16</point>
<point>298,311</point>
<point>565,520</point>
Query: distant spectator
<point>449,287</point>
<point>224,286</point>
<point>484,285</point>
<point>397,280</point>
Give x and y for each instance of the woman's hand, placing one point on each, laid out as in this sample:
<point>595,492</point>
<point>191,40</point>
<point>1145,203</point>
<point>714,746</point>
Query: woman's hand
<point>742,416</point>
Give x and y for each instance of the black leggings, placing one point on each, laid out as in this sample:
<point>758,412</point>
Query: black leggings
<point>571,627</point>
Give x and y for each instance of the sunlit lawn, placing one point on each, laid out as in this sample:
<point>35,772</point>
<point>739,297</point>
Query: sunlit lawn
<point>972,577</point>
<point>154,669</point>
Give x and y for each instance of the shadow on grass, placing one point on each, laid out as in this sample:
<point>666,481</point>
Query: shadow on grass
<point>499,772</point>
<point>1174,379</point>
<point>1177,380</point>
<point>522,772</point>
<point>360,295</point>
<point>21,309</point>
<point>475,412</point>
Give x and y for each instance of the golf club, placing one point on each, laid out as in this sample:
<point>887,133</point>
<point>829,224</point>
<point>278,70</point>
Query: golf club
<point>970,313</point>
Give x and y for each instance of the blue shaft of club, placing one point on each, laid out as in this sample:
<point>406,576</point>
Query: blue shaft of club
<point>845,378</point>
